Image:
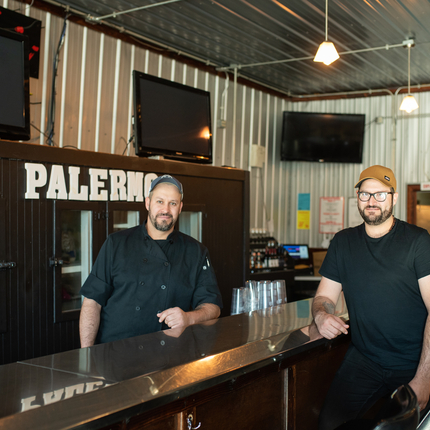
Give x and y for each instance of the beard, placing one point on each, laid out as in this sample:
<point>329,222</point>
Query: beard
<point>376,219</point>
<point>163,225</point>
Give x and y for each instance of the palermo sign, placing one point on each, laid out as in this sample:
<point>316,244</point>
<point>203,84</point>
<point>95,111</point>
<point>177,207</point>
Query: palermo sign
<point>104,184</point>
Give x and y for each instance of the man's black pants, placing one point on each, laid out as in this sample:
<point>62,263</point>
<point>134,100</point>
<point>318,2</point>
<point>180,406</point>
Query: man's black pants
<point>357,385</point>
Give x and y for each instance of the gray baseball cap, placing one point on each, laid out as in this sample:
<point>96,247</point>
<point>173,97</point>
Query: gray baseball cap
<point>166,179</point>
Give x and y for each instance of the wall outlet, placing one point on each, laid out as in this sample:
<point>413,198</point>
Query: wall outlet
<point>258,155</point>
<point>222,123</point>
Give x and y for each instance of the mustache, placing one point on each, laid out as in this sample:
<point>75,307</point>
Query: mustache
<point>168,215</point>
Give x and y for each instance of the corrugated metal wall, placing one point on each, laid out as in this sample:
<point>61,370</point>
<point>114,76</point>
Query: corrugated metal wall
<point>94,106</point>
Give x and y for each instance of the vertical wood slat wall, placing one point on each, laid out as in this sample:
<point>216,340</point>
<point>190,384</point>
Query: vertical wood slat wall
<point>94,108</point>
<point>29,309</point>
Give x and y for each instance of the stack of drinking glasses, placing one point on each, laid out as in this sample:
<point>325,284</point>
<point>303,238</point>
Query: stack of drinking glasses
<point>258,295</point>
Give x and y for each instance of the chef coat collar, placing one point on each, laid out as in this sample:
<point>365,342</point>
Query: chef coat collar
<point>172,236</point>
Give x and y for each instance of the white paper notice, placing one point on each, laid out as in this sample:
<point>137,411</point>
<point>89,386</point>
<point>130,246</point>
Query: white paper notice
<point>331,214</point>
<point>354,217</point>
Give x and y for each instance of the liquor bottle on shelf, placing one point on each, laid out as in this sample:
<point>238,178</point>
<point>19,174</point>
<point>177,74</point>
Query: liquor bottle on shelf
<point>265,252</point>
<point>258,263</point>
<point>252,260</point>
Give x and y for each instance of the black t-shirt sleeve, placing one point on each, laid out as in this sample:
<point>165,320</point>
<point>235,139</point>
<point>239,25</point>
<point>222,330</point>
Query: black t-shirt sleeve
<point>422,260</point>
<point>329,268</point>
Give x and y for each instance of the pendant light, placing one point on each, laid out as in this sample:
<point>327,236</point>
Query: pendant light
<point>409,103</point>
<point>326,52</point>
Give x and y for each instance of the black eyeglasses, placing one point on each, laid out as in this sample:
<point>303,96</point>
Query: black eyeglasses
<point>379,197</point>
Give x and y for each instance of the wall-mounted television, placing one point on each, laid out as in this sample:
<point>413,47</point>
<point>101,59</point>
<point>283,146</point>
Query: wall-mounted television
<point>322,137</point>
<point>171,119</point>
<point>14,86</point>
<point>31,27</point>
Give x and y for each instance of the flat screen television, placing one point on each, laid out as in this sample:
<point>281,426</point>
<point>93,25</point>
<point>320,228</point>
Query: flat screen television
<point>19,23</point>
<point>171,119</point>
<point>322,137</point>
<point>14,86</point>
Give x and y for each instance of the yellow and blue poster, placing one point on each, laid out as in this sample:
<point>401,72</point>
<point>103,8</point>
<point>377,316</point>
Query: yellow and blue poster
<point>303,211</point>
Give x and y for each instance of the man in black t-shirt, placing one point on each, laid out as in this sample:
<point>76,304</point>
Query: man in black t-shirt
<point>383,269</point>
<point>150,277</point>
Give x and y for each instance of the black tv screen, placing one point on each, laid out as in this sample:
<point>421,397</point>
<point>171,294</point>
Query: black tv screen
<point>14,86</point>
<point>171,119</point>
<point>322,137</point>
<point>31,27</point>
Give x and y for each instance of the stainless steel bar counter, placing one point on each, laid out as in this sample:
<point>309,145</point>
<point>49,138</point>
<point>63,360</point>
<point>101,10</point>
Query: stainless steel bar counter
<point>162,375</point>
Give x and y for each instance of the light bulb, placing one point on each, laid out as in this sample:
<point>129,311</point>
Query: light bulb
<point>409,104</point>
<point>326,53</point>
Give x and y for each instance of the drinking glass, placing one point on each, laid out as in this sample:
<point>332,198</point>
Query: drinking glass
<point>251,296</point>
<point>235,301</point>
<point>246,301</point>
<point>263,294</point>
<point>281,291</point>
<point>273,294</point>
<point>239,301</point>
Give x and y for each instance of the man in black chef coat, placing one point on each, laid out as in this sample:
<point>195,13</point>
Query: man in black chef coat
<point>150,277</point>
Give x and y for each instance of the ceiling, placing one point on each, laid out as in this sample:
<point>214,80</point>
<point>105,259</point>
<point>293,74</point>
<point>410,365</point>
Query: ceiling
<point>223,33</point>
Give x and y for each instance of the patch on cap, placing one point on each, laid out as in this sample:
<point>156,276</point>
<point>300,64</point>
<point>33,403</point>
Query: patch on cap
<point>380,173</point>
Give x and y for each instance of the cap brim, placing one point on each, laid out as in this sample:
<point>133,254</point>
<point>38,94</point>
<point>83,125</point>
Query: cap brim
<point>371,177</point>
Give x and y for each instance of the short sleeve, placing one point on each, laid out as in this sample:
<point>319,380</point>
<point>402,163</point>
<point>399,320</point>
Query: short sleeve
<point>422,255</point>
<point>98,285</point>
<point>329,268</point>
<point>206,290</point>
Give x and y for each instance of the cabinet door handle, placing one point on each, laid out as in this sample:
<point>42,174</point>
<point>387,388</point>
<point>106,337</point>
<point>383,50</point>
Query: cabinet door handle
<point>190,423</point>
<point>54,262</point>
<point>7,265</point>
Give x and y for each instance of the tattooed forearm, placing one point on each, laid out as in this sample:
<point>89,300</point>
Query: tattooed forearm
<point>329,307</point>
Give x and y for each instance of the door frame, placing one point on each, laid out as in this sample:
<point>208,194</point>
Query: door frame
<point>412,203</point>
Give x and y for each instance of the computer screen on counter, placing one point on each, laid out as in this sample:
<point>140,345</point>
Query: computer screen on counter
<point>300,252</point>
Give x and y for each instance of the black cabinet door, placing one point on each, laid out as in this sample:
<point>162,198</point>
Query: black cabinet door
<point>4,268</point>
<point>122,215</point>
<point>79,232</point>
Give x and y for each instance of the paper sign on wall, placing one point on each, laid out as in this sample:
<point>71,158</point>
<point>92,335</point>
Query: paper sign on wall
<point>303,220</point>
<point>331,214</point>
<point>354,217</point>
<point>304,202</point>
<point>303,211</point>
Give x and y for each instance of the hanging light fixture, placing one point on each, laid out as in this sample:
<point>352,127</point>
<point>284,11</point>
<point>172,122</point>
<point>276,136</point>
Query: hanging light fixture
<point>326,52</point>
<point>409,103</point>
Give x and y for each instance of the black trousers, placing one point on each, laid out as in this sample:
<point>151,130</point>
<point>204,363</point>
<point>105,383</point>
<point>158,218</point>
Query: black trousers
<point>357,385</point>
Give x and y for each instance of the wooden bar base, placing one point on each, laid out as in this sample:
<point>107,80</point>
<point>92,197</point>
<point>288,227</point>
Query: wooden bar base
<point>287,395</point>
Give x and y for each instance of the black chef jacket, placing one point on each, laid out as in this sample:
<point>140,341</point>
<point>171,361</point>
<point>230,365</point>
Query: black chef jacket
<point>133,280</point>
